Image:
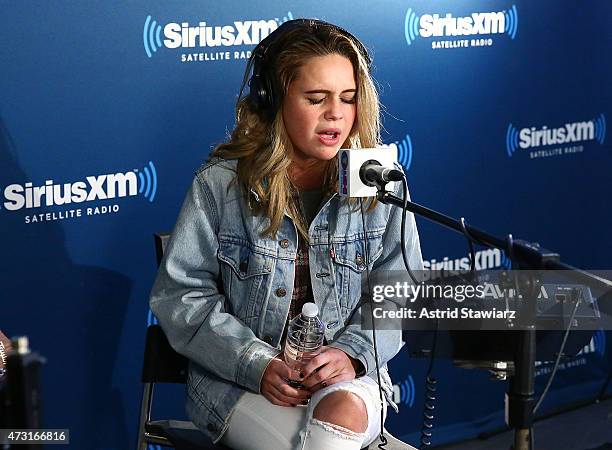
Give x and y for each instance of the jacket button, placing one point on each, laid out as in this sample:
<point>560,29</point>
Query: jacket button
<point>267,340</point>
<point>359,260</point>
<point>284,243</point>
<point>280,292</point>
<point>211,427</point>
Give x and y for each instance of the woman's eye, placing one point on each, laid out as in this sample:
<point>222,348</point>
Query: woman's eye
<point>349,100</point>
<point>315,101</point>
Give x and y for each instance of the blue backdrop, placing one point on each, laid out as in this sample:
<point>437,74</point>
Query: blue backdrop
<point>499,109</point>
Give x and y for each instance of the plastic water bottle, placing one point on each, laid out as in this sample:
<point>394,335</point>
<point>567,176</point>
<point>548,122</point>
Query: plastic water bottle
<point>304,337</point>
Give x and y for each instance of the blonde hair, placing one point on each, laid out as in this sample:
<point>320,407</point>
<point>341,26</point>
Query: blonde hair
<point>261,144</point>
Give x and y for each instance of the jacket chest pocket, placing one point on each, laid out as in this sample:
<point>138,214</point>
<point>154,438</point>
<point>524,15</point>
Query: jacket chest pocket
<point>350,258</point>
<point>245,272</point>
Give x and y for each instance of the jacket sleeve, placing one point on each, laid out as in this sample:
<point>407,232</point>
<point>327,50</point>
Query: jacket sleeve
<point>356,341</point>
<point>188,305</point>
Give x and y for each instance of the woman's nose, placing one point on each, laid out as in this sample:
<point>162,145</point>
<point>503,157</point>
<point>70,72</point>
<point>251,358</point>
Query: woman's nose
<point>334,110</point>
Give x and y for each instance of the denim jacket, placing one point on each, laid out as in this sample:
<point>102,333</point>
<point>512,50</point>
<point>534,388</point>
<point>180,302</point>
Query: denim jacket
<point>223,291</point>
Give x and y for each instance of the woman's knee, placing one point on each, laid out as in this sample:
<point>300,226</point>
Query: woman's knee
<point>343,408</point>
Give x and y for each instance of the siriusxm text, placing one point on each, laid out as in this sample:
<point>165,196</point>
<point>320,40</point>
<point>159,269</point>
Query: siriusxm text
<point>570,132</point>
<point>240,33</point>
<point>485,259</point>
<point>99,187</point>
<point>477,23</point>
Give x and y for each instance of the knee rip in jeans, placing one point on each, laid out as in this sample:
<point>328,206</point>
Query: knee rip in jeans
<point>337,430</point>
<point>358,388</point>
<point>344,398</point>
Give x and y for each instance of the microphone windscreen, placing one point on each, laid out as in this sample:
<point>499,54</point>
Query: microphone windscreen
<point>350,162</point>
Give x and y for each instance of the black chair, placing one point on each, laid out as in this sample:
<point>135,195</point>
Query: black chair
<point>164,365</point>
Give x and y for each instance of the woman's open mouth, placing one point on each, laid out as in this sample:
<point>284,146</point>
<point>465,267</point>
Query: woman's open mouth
<point>329,137</point>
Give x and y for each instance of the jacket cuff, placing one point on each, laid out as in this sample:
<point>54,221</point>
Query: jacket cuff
<point>253,364</point>
<point>357,349</point>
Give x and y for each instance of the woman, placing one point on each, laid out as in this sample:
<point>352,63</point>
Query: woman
<point>260,218</point>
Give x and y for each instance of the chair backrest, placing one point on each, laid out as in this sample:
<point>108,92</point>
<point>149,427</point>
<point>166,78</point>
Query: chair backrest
<point>164,365</point>
<point>161,363</point>
<point>161,240</point>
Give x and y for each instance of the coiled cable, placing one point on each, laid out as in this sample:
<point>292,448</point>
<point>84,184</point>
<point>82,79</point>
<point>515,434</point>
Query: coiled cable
<point>429,405</point>
<point>428,411</point>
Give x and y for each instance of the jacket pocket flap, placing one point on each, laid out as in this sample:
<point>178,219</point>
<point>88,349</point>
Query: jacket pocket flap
<point>244,261</point>
<point>352,253</point>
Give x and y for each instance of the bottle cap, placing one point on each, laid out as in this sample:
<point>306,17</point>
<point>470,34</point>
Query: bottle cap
<point>21,344</point>
<point>310,310</point>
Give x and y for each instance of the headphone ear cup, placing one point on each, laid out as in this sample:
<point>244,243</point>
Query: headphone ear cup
<point>268,97</point>
<point>262,98</point>
<point>254,92</point>
<point>260,88</point>
<point>261,94</point>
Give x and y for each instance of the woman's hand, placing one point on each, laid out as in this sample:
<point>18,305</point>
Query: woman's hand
<point>275,386</point>
<point>328,367</point>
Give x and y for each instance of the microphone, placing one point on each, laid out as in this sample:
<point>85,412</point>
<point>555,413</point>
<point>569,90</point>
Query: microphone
<point>362,170</point>
<point>373,173</point>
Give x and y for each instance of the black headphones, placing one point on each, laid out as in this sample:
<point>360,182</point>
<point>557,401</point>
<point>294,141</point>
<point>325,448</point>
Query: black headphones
<point>263,88</point>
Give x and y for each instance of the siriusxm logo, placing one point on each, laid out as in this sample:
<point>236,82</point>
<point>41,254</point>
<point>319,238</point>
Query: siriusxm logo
<point>100,187</point>
<point>476,24</point>
<point>569,133</point>
<point>404,152</point>
<point>492,258</point>
<point>596,345</point>
<point>184,35</point>
<point>403,393</point>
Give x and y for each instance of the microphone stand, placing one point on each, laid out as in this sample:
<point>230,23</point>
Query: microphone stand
<point>521,391</point>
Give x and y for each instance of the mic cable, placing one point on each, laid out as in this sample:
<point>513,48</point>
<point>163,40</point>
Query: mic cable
<point>383,439</point>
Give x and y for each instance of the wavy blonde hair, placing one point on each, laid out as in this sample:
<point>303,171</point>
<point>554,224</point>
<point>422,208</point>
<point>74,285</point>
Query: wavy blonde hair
<point>261,144</point>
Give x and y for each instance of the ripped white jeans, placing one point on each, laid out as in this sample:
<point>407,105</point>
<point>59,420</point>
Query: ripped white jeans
<point>257,424</point>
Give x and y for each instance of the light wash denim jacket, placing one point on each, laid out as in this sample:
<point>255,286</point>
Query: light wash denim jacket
<point>222,292</point>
